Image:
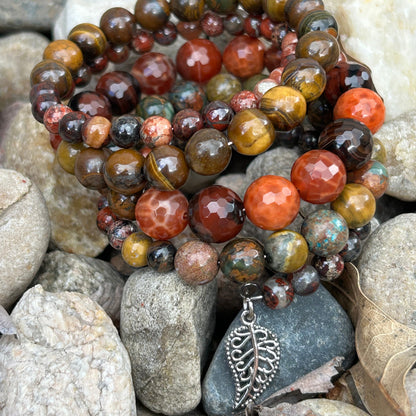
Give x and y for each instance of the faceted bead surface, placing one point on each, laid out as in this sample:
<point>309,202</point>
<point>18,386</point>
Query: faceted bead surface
<point>243,100</point>
<point>277,293</point>
<point>218,115</point>
<point>330,267</point>
<point>156,131</point>
<point>271,202</point>
<point>319,176</point>
<point>185,123</point>
<point>187,94</point>
<point>161,256</point>
<point>52,116</point>
<point>91,103</point>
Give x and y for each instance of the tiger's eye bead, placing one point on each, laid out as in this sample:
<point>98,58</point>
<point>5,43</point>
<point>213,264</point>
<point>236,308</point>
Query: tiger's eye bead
<point>244,56</point>
<point>91,103</point>
<point>243,100</point>
<point>318,20</point>
<point>151,14</point>
<point>124,171</point>
<point>198,60</point>
<point>305,281</point>
<point>207,152</point>
<point>319,176</point>
<point>352,249</point>
<point>286,251</point>
<point>155,105</point>
<point>141,42</point>
<point>162,214</point>
<point>70,126</point>
<point>217,115</point>
<point>160,256</point>
<point>277,293</point>
<point>118,25</point>
<point>125,131</point>
<point>56,73</point>
<point>356,204</point>
<point>242,260</point>
<point>95,132</point>
<point>122,89</point>
<point>166,35</point>
<point>330,267</point>
<point>187,10</point>
<point>271,202</point>
<point>134,249</point>
<point>52,116</point>
<point>251,132</point>
<point>189,30</point>
<point>212,24</point>
<point>284,106</point>
<point>325,231</point>
<point>222,6</point>
<point>66,155</point>
<point>89,168</point>
<point>306,76</point>
<point>185,123</point>
<point>350,140</point>
<point>105,218</point>
<point>122,205</point>
<point>216,214</point>
<point>90,39</point>
<point>156,131</point>
<point>275,10</point>
<point>119,231</point>
<point>154,72</point>
<point>166,168</point>
<point>187,94</point>
<point>66,52</point>
<point>296,9</point>
<point>196,262</point>
<point>222,87</point>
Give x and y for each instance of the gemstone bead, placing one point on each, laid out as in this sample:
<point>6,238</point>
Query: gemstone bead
<point>271,202</point>
<point>105,218</point>
<point>122,205</point>
<point>222,87</point>
<point>156,131</point>
<point>295,10</point>
<point>319,176</point>
<point>189,30</point>
<point>216,214</point>
<point>89,168</point>
<point>187,94</point>
<point>222,6</point>
<point>155,105</point>
<point>53,115</point>
<point>90,39</point>
<point>185,123</point>
<point>277,293</point>
<point>187,10</point>
<point>70,126</point>
<point>91,103</point>
<point>118,25</point>
<point>352,249</point>
<point>161,256</point>
<point>96,132</point>
<point>119,231</point>
<point>134,249</point>
<point>151,14</point>
<point>41,105</point>
<point>275,9</point>
<point>66,155</point>
<point>211,24</point>
<point>243,100</point>
<point>318,20</point>
<point>330,267</point>
<point>162,214</point>
<point>66,52</point>
<point>217,115</point>
<point>166,35</point>
<point>305,280</point>
<point>141,42</point>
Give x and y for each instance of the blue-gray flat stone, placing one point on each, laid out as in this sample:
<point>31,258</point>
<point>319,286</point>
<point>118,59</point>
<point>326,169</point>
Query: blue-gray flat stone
<point>311,331</point>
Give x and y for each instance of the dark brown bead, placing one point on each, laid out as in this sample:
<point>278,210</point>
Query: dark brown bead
<point>166,35</point>
<point>117,53</point>
<point>118,25</point>
<point>70,126</point>
<point>89,168</point>
<point>296,9</point>
<point>91,103</point>
<point>151,14</point>
<point>122,205</point>
<point>185,123</point>
<point>42,103</point>
<point>187,10</point>
<point>90,39</point>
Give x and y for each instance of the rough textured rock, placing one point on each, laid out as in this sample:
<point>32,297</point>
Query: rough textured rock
<point>95,278</point>
<point>387,268</point>
<point>392,67</point>
<point>72,208</point>
<point>234,181</point>
<point>36,15</point>
<point>410,384</point>
<point>166,327</point>
<point>142,411</point>
<point>67,359</point>
<point>19,53</point>
<point>311,331</point>
<point>24,234</point>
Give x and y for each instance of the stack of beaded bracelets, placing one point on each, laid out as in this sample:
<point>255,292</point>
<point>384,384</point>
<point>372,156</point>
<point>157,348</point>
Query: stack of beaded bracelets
<point>139,161</point>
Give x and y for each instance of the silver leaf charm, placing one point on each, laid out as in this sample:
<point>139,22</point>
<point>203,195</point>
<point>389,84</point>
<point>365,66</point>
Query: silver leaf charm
<point>253,354</point>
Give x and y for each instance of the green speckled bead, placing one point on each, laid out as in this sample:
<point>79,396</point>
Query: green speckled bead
<point>155,105</point>
<point>242,260</point>
<point>286,251</point>
<point>222,87</point>
<point>318,20</point>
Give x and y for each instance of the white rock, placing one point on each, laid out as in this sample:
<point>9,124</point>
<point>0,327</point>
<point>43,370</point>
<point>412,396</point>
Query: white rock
<point>67,359</point>
<point>24,234</point>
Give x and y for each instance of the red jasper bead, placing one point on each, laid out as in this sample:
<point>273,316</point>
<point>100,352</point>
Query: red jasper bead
<point>244,56</point>
<point>361,104</point>
<point>271,202</point>
<point>198,60</point>
<point>162,214</point>
<point>319,176</point>
<point>53,115</point>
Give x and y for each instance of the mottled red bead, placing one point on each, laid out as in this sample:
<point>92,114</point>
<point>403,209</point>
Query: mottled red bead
<point>319,176</point>
<point>162,214</point>
<point>212,24</point>
<point>142,42</point>
<point>105,218</point>
<point>53,115</point>
<point>217,115</point>
<point>156,131</point>
<point>166,35</point>
<point>185,123</point>
<point>252,25</point>
<point>117,53</point>
<point>243,100</point>
<point>198,60</point>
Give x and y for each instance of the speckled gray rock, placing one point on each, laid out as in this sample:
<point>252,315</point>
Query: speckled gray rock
<point>234,181</point>
<point>311,331</point>
<point>67,359</point>
<point>410,385</point>
<point>95,278</point>
<point>72,208</point>
<point>24,234</point>
<point>19,53</point>
<point>166,327</point>
<point>142,411</point>
<point>387,268</point>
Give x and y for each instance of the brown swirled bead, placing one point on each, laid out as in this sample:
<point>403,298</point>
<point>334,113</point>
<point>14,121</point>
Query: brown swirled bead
<point>296,9</point>
<point>89,168</point>
<point>66,52</point>
<point>122,205</point>
<point>91,103</point>
<point>90,39</point>
<point>151,14</point>
<point>187,10</point>
<point>252,6</point>
<point>118,25</point>
<point>275,9</point>
<point>66,154</point>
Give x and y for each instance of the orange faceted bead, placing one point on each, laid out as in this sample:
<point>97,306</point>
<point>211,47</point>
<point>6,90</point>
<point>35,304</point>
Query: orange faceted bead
<point>361,104</point>
<point>271,202</point>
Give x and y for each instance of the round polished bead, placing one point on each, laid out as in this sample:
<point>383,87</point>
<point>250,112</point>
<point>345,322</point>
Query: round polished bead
<point>252,25</point>
<point>189,30</point>
<point>222,87</point>
<point>166,35</point>
<point>379,151</point>
<point>330,267</point>
<point>243,100</point>
<point>286,251</point>
<point>122,205</point>
<point>43,88</point>
<point>162,214</point>
<point>207,152</point>
<point>251,132</point>
<point>352,249</point>
<point>271,202</point>
<point>242,260</point>
<point>118,25</point>
<point>166,168</point>
<point>89,168</point>
<point>124,171</point>
<point>234,24</point>
<point>196,262</point>
<point>53,115</point>
<point>263,86</point>
<point>325,231</point>
<point>216,214</point>
<point>119,231</point>
<point>122,89</point>
<point>134,250</point>
<point>319,176</point>
<point>187,10</point>
<point>96,132</point>
<point>154,72</point>
<point>185,123</point>
<point>155,105</point>
<point>187,94</point>
<point>70,126</point>
<point>252,6</point>
<point>67,153</point>
<point>125,131</point>
<point>295,10</point>
<point>318,20</point>
<point>277,293</point>
<point>275,9</point>
<point>363,105</point>
<point>244,56</point>
<point>305,280</point>
<point>105,218</point>
<point>217,115</point>
<point>156,131</point>
<point>117,53</point>
<point>285,107</point>
<point>350,140</point>
<point>356,204</point>
<point>151,14</point>
<point>141,42</point>
<point>320,113</point>
<point>161,256</point>
<point>99,64</point>
<point>66,52</point>
<point>198,60</point>
<point>91,103</point>
<point>90,39</point>
<point>211,24</point>
<point>222,6</point>
<point>42,103</point>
